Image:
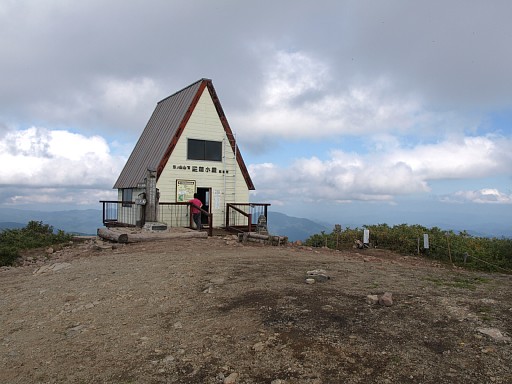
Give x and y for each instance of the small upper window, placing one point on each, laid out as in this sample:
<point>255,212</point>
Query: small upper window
<point>204,150</point>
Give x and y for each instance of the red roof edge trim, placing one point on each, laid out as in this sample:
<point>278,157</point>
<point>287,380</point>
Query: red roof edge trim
<point>229,134</point>
<point>179,131</point>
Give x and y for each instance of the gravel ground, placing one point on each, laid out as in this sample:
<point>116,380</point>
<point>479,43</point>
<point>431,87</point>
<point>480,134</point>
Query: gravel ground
<point>217,311</point>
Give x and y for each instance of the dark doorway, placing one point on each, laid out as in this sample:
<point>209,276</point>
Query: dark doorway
<point>204,194</point>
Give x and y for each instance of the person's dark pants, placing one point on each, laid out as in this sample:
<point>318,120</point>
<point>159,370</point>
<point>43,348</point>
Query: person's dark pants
<point>197,220</point>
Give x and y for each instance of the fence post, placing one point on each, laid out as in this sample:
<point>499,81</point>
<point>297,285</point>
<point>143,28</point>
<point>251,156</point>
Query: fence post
<point>337,229</point>
<point>449,251</point>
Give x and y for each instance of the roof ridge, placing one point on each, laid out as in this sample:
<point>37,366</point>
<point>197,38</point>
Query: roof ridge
<point>188,86</point>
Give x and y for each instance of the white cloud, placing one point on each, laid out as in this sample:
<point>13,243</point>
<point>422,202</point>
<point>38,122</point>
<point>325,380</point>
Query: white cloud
<point>300,99</point>
<point>124,104</point>
<point>384,175</point>
<point>292,75</point>
<point>42,158</point>
<point>57,198</point>
<point>481,196</point>
<point>467,157</point>
<point>129,94</point>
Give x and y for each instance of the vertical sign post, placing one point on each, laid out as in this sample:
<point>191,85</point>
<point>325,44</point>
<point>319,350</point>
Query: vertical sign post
<point>366,237</point>
<point>425,241</point>
<point>151,198</point>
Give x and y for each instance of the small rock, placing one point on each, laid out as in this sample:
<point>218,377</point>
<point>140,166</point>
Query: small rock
<point>319,275</point>
<point>74,330</point>
<point>258,347</point>
<point>372,299</point>
<point>494,333</point>
<point>168,359</point>
<point>231,379</point>
<point>58,266</point>
<point>41,270</point>
<point>51,268</point>
<point>386,299</point>
<point>178,325</point>
<point>310,281</point>
<point>208,290</point>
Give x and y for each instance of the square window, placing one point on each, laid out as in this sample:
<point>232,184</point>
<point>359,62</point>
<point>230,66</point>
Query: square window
<point>204,150</point>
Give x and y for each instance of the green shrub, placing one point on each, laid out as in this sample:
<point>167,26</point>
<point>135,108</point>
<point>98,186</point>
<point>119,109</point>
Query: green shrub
<point>490,254</point>
<point>34,235</point>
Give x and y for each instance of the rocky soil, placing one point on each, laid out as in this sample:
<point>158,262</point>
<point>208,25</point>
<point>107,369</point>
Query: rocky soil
<point>216,311</point>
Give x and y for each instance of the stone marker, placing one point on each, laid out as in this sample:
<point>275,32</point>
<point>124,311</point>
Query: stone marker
<point>386,299</point>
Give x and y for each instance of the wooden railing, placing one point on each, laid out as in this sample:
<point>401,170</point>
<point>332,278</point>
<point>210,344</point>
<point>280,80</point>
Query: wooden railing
<point>241,217</point>
<point>129,214</point>
<point>179,215</point>
<point>119,213</point>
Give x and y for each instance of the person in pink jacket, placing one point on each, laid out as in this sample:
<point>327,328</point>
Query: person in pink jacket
<point>196,212</point>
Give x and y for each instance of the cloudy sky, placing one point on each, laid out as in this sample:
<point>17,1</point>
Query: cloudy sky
<point>350,112</point>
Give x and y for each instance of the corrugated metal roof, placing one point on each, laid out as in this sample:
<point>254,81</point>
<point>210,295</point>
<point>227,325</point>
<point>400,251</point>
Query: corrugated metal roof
<point>162,132</point>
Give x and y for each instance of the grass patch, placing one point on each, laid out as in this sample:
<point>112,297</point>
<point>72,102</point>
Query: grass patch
<point>458,282</point>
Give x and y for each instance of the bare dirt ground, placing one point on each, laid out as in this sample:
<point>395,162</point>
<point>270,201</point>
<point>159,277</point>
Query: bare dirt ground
<point>216,311</point>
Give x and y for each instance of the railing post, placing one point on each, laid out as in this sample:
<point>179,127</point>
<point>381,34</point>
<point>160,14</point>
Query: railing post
<point>250,222</point>
<point>227,215</point>
<point>189,210</point>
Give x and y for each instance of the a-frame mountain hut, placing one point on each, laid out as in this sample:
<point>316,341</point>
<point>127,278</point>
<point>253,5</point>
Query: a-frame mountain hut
<point>186,147</point>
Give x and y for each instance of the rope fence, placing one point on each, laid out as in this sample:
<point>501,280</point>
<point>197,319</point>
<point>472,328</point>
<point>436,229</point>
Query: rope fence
<point>491,254</point>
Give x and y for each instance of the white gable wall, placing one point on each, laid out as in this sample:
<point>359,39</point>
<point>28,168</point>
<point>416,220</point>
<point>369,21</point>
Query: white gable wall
<point>223,177</point>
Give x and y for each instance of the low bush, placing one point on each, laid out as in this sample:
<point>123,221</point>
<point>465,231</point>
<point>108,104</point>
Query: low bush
<point>34,235</point>
<point>482,253</point>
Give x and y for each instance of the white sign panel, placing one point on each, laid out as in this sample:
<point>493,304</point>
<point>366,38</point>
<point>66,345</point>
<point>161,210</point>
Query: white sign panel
<point>366,236</point>
<point>216,198</point>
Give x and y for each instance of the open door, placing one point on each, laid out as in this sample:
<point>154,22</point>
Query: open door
<point>204,195</point>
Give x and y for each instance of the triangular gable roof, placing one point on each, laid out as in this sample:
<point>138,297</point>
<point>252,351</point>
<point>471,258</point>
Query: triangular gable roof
<point>163,131</point>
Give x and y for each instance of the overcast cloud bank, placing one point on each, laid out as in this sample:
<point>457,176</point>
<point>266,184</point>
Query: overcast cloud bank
<point>333,103</point>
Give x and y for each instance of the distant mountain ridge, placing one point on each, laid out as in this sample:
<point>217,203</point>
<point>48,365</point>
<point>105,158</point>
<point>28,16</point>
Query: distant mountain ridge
<point>88,221</point>
<point>11,225</point>
<point>84,222</point>
<point>295,228</point>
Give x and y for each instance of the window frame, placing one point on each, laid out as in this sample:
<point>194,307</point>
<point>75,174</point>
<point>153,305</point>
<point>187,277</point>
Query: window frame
<point>126,195</point>
<point>204,150</point>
